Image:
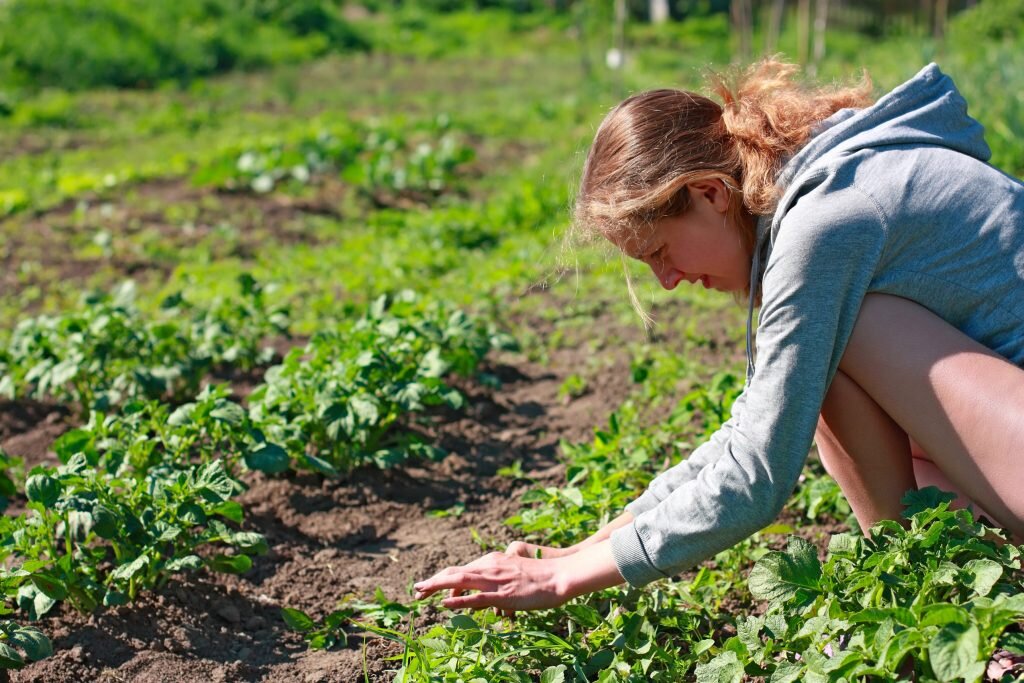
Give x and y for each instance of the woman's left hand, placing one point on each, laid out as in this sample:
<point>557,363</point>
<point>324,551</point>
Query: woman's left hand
<point>511,582</point>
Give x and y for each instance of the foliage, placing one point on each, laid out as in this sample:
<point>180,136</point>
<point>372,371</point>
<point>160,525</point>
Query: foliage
<point>939,592</point>
<point>334,404</point>
<point>91,537</point>
<point>77,44</point>
<point>107,351</point>
<point>383,161</point>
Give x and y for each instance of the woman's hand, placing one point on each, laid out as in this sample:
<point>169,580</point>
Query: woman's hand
<point>537,552</point>
<point>511,582</point>
<point>507,582</point>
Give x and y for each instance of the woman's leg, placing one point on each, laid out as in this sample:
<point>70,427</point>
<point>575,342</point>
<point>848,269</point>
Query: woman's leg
<point>865,451</point>
<point>962,403</point>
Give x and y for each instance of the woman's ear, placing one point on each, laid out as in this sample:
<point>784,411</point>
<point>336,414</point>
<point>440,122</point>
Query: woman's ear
<point>712,191</point>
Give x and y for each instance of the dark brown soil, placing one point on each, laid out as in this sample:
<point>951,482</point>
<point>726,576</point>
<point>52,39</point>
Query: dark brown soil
<point>150,226</point>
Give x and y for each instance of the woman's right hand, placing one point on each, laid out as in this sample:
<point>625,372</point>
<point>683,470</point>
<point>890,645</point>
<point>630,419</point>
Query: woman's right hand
<point>531,550</point>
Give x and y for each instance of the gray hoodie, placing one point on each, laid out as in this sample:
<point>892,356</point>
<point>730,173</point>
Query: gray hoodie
<point>896,198</point>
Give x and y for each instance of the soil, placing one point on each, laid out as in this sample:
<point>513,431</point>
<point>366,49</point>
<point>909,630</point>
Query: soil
<point>330,538</point>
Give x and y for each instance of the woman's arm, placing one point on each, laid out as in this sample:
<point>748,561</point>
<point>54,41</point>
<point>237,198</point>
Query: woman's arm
<point>524,549</point>
<point>511,583</point>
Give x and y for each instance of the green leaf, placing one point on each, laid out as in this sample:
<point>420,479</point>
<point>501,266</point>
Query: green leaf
<point>432,364</point>
<point>50,586</point>
<point>114,598</point>
<point>229,509</point>
<point>780,576</point>
<point>182,415</point>
<point>269,458</point>
<point>191,562</point>
<point>34,601</point>
<point>944,613</point>
<point>231,564</point>
<point>213,483</point>
<point>320,465</point>
<point>465,622</point>
<point>43,489</point>
<point>71,442</point>
<point>127,571</point>
<point>104,522</point>
<point>32,641</point>
<point>953,650</point>
<point>250,542</point>
<point>573,495</point>
<point>787,672</point>
<point>553,674</point>
<point>923,499</point>
<point>228,412</point>
<point>297,620</point>
<point>725,668</point>
<point>984,574</point>
<point>365,408</point>
<point>191,513</point>
<point>9,657</point>
<point>844,544</point>
<point>586,615</point>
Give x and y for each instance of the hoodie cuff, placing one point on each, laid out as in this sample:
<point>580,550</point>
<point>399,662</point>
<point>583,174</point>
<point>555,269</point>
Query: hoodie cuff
<point>646,501</point>
<point>631,557</point>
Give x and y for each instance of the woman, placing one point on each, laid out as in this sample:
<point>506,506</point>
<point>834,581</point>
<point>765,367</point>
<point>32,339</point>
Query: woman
<point>888,259</point>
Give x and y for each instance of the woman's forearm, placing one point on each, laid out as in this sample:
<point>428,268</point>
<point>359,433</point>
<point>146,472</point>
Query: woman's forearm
<point>604,532</point>
<point>591,569</point>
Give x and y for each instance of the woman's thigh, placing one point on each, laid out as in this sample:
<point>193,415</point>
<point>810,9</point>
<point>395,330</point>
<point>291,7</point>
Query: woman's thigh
<point>960,401</point>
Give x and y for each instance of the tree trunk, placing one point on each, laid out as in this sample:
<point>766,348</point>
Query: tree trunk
<point>742,23</point>
<point>659,11</point>
<point>619,40</point>
<point>771,36</point>
<point>820,26</point>
<point>941,14</point>
<point>803,29</point>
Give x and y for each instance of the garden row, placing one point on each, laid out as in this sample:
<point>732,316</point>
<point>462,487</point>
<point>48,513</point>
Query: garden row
<point>146,486</point>
<point>930,600</point>
<point>383,160</point>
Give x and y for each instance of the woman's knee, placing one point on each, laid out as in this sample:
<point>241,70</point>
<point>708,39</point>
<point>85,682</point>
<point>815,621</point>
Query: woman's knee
<point>961,403</point>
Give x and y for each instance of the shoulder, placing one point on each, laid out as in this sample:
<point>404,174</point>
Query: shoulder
<point>833,203</point>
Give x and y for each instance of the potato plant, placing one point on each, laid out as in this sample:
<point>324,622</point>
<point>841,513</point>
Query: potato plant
<point>107,351</point>
<point>380,159</point>
<point>347,397</point>
<point>91,538</point>
<point>929,602</point>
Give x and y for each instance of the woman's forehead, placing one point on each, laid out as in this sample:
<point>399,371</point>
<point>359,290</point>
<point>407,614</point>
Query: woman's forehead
<point>633,241</point>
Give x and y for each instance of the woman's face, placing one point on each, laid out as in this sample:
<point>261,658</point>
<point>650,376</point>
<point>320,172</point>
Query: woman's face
<point>699,245</point>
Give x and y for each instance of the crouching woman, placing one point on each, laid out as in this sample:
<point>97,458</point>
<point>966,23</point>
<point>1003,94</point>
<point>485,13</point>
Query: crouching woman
<point>887,257</point>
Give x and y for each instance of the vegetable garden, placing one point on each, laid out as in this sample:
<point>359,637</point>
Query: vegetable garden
<point>277,344</point>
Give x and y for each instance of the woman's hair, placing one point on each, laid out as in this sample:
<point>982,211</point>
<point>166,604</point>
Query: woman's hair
<point>652,145</point>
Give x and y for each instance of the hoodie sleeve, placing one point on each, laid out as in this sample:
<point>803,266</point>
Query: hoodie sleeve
<point>823,260</point>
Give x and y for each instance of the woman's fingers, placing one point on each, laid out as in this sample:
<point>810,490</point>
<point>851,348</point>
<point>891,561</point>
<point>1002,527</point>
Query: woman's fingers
<point>474,601</point>
<point>455,579</point>
<point>519,548</point>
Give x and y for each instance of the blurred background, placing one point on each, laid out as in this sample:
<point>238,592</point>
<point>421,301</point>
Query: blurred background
<point>341,149</point>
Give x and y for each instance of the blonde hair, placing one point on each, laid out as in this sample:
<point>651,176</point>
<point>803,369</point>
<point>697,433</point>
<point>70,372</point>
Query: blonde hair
<point>653,144</point>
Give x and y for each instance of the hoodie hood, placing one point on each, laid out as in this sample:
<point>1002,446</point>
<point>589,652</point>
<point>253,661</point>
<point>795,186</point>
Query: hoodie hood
<point>926,110</point>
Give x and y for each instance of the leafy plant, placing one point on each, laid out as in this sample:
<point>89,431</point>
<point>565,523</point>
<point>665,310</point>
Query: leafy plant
<point>336,404</point>
<point>90,537</point>
<point>934,597</point>
<point>107,352</point>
